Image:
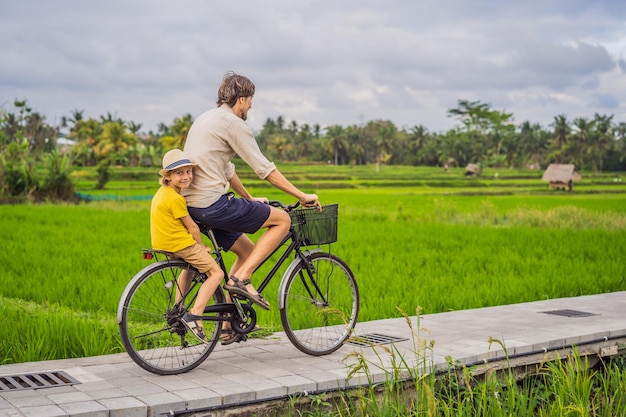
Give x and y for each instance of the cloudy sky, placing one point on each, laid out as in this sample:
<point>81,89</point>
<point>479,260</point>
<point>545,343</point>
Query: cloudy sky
<point>317,61</point>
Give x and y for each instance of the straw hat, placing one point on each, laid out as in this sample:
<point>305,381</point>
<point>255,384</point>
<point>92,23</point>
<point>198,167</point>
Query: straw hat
<point>174,159</point>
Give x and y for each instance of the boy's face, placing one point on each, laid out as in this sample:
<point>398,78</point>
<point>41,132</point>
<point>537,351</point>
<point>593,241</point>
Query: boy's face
<point>181,177</point>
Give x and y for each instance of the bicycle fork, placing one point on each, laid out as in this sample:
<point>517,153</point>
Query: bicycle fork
<point>316,295</point>
<point>308,277</point>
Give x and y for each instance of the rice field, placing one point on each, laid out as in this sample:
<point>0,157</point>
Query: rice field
<point>443,246</point>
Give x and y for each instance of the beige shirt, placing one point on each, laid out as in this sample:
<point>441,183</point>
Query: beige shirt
<point>214,138</point>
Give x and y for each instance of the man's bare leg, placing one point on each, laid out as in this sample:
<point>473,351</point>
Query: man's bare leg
<point>277,225</point>
<point>242,248</point>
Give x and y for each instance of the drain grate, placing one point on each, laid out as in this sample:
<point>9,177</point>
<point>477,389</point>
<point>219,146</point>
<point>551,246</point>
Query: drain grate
<point>373,339</point>
<point>35,381</point>
<point>570,313</point>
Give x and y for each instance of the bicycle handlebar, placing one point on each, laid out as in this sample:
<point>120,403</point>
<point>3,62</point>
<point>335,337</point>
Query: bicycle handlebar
<point>280,204</point>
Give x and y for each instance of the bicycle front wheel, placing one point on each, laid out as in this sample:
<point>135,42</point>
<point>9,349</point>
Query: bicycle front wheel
<point>320,304</point>
<point>149,318</point>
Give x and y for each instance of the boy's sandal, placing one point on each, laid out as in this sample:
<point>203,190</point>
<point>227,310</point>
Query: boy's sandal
<point>239,288</point>
<point>191,322</point>
<point>229,336</point>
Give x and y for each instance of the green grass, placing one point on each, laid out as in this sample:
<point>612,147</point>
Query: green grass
<point>142,181</point>
<point>440,248</point>
<point>40,331</point>
<point>563,384</point>
<point>568,387</point>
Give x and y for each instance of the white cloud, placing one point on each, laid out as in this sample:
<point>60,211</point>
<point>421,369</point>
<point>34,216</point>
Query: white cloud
<point>326,62</point>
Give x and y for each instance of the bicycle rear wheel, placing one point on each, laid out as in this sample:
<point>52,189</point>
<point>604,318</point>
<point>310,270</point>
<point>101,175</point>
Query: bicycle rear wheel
<point>149,319</point>
<point>319,310</point>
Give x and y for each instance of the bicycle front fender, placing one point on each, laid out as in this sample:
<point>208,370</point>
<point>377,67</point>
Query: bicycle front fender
<point>292,266</point>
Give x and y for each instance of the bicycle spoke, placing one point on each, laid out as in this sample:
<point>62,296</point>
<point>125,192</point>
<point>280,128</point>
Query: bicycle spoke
<point>320,310</point>
<point>150,326</point>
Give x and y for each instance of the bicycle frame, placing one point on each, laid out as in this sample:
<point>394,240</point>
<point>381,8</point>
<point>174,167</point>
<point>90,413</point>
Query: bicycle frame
<point>301,256</point>
<point>294,246</point>
<point>235,307</point>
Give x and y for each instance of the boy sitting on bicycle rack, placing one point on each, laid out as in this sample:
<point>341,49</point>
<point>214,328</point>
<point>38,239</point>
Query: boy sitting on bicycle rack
<point>173,230</point>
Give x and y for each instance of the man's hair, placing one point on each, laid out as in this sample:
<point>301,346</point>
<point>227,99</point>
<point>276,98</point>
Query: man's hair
<point>234,86</point>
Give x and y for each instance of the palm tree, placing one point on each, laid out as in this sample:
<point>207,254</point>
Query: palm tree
<point>532,144</point>
<point>317,130</point>
<point>385,135</point>
<point>472,114</point>
<point>583,130</point>
<point>180,129</point>
<point>415,138</point>
<point>303,142</point>
<point>280,123</point>
<point>176,134</point>
<point>87,134</point>
<point>76,116</point>
<point>336,140</point>
<point>269,128</point>
<point>280,146</point>
<point>453,148</point>
<point>601,140</point>
<point>561,136</point>
<point>561,130</point>
<point>134,127</point>
<point>356,149</point>
<point>10,127</point>
<point>430,153</point>
<point>115,140</point>
<point>620,132</point>
<point>110,118</point>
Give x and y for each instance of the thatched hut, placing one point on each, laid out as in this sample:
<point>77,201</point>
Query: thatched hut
<point>561,176</point>
<point>472,169</point>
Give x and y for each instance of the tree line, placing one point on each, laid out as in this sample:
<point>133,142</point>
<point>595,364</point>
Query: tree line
<point>33,162</point>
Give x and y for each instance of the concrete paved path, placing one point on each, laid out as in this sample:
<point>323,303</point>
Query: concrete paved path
<point>249,374</point>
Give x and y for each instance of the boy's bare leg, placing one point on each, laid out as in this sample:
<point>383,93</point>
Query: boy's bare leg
<point>182,285</point>
<point>214,278</point>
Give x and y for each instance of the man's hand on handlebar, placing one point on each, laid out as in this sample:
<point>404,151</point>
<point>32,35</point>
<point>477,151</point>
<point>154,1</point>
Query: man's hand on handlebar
<point>311,200</point>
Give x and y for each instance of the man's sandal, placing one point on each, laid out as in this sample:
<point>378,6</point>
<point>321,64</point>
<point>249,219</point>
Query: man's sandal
<point>191,322</point>
<point>239,288</point>
<point>229,336</point>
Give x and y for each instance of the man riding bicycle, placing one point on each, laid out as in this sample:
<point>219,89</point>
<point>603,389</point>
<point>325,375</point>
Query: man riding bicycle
<point>215,137</point>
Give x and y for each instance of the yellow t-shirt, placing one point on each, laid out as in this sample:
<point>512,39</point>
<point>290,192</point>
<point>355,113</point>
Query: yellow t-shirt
<point>166,229</point>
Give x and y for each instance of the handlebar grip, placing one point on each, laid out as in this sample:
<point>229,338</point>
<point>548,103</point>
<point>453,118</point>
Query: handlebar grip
<point>280,204</point>
<point>275,203</point>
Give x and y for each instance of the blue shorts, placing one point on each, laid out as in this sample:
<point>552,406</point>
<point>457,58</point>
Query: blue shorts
<point>230,217</point>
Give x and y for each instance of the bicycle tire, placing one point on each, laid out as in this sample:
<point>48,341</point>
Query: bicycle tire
<point>150,325</point>
<point>319,322</point>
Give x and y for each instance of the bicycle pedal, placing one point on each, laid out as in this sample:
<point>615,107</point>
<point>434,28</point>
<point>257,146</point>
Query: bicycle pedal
<point>238,297</point>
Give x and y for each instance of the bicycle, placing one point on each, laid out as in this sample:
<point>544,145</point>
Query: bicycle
<point>318,299</point>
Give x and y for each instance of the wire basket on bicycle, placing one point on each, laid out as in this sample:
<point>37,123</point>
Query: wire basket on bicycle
<point>315,227</point>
